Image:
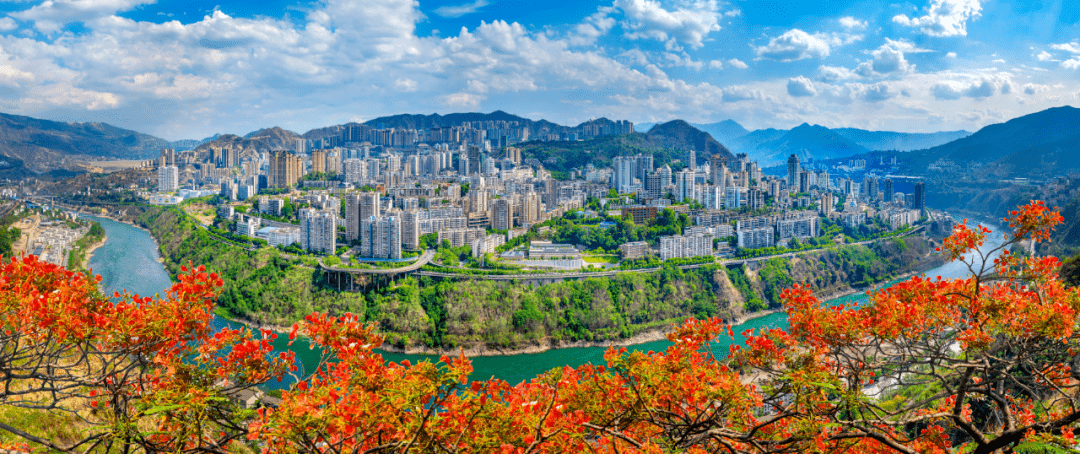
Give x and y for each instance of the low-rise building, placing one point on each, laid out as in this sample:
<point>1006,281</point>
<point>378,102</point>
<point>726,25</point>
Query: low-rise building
<point>634,250</point>
<point>548,250</point>
<point>685,246</point>
<point>279,236</point>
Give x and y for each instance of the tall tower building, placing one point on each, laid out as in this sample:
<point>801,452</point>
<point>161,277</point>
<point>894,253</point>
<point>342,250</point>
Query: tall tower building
<point>623,177</point>
<point>318,161</point>
<point>502,214</point>
<point>381,237</point>
<point>643,166</point>
<point>920,196</point>
<point>410,230</point>
<point>318,230</point>
<point>716,163</point>
<point>793,171</point>
<point>284,169</point>
<point>887,193</point>
<point>168,179</point>
<point>684,185</point>
<point>359,206</point>
<point>690,159</point>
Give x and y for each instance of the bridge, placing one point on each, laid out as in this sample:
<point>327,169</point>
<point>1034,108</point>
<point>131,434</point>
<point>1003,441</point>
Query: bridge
<point>347,278</point>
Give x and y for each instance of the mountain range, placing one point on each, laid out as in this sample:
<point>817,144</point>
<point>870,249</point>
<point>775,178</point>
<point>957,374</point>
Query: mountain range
<point>1046,142</point>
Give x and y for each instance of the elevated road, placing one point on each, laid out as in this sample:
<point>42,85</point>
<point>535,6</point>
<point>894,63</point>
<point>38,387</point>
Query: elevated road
<point>425,258</point>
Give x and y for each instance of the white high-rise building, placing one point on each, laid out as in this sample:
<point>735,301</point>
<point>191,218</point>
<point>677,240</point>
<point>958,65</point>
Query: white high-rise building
<point>168,179</point>
<point>381,237</point>
<point>355,170</point>
<point>623,178</point>
<point>359,206</point>
<point>684,185</point>
<point>318,230</point>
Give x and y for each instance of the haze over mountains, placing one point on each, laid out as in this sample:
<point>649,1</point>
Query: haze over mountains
<point>1047,141</point>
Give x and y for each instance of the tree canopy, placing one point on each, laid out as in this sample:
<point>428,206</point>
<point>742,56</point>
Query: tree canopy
<point>983,364</point>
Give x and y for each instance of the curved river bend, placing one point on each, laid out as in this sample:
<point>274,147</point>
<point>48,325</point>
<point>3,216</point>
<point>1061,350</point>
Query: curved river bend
<point>129,260</point>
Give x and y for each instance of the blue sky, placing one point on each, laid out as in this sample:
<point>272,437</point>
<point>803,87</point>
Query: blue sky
<point>189,69</point>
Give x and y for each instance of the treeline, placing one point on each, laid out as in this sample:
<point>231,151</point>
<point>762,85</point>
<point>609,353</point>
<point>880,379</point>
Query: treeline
<point>266,287</point>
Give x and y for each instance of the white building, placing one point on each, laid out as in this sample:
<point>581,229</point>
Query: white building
<point>318,230</point>
<point>381,237</point>
<point>279,236</point>
<point>685,246</point>
<point>168,179</point>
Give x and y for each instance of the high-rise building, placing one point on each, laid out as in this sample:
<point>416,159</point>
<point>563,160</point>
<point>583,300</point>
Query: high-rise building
<point>551,193</point>
<point>870,189</point>
<point>653,188</point>
<point>359,206</point>
<point>381,237</point>
<point>690,159</point>
<point>919,202</point>
<point>717,165</point>
<point>168,179</point>
<point>168,157</point>
<point>318,161</point>
<point>665,177</point>
<point>318,230</point>
<point>684,185</point>
<point>355,170</point>
<point>793,171</point>
<point>623,178</point>
<point>284,169</point>
<point>502,214</point>
<point>410,230</point>
<point>643,166</point>
<point>887,193</point>
<point>804,181</point>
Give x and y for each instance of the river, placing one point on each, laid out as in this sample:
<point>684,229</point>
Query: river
<point>129,260</point>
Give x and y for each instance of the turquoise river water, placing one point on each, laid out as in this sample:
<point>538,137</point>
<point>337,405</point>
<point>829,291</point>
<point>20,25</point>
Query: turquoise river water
<point>129,260</point>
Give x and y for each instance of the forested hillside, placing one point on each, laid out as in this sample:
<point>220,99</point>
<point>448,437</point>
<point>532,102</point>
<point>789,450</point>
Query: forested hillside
<point>268,288</point>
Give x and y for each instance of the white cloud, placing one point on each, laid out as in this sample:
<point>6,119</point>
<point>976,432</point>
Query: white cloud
<point>737,63</point>
<point>1072,48</point>
<point>833,74</point>
<point>981,87</point>
<point>1032,89</point>
<point>8,24</point>
<point>800,86</point>
<point>1071,63</point>
<point>852,23</point>
<point>716,64</point>
<point>796,44</point>
<point>460,10</point>
<point>405,84</point>
<point>593,27</point>
<point>1045,56</point>
<point>463,100</point>
<point>740,93</point>
<point>51,15</point>
<point>944,17</point>
<point>683,60</point>
<point>951,55</point>
<point>689,24</point>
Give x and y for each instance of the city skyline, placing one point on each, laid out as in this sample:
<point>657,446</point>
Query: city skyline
<point>183,70</point>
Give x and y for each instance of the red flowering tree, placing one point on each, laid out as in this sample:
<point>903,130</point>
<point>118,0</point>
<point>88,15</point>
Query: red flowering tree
<point>140,373</point>
<point>976,365</point>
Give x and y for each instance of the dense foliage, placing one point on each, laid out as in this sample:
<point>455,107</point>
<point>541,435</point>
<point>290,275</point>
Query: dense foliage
<point>979,365</point>
<point>268,287</point>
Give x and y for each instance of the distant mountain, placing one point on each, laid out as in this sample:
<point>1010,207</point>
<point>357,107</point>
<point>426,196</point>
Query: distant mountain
<point>724,131</point>
<point>439,121</point>
<point>999,140</point>
<point>679,134</point>
<point>43,145</point>
<point>899,141</point>
<point>262,140</point>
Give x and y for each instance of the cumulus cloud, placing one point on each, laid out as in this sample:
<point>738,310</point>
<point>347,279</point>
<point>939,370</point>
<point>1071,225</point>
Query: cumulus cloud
<point>1045,56</point>
<point>944,17</point>
<point>951,55</point>
<point>460,10</point>
<point>978,88</point>
<point>833,74</point>
<point>737,63</point>
<point>51,15</point>
<point>593,27</point>
<point>716,64</point>
<point>800,86</point>
<point>796,44</point>
<point>8,24</point>
<point>1072,48</point>
<point>689,23</point>
<point>739,93</point>
<point>1032,89</point>
<point>852,23</point>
